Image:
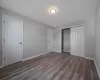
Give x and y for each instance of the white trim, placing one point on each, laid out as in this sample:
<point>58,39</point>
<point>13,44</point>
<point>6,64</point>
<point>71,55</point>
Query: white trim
<point>3,29</point>
<point>34,56</point>
<point>88,58</point>
<point>3,40</point>
<point>56,51</point>
<point>95,65</point>
<point>1,66</point>
<point>29,58</point>
<point>97,68</point>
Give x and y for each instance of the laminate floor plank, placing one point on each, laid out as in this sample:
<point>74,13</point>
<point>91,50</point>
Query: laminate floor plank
<point>51,66</point>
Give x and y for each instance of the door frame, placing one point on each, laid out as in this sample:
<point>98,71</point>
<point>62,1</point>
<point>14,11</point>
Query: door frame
<point>3,37</point>
<point>62,37</point>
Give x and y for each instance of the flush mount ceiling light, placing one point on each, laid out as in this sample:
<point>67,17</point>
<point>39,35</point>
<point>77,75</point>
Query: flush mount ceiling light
<point>52,10</point>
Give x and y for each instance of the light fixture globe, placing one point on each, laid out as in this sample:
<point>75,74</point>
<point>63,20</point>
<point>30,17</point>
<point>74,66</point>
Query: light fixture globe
<point>52,10</point>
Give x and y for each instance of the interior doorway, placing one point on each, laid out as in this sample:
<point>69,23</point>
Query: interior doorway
<point>66,40</point>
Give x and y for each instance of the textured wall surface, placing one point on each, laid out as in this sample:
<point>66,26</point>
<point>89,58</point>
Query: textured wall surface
<point>35,35</point>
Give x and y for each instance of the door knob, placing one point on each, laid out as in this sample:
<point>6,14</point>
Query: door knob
<point>20,43</point>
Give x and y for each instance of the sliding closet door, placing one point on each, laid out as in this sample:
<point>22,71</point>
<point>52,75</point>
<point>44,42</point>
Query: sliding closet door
<point>77,41</point>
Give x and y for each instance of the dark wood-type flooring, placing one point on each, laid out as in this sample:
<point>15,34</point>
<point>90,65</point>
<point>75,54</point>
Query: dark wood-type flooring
<point>51,66</point>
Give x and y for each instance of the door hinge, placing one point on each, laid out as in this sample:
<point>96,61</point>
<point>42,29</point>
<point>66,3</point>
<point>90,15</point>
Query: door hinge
<point>4,40</point>
<point>4,58</point>
<point>4,21</point>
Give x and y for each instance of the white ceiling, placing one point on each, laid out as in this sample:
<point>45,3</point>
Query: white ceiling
<point>68,10</point>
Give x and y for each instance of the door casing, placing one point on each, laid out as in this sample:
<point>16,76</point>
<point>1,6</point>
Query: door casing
<point>3,37</point>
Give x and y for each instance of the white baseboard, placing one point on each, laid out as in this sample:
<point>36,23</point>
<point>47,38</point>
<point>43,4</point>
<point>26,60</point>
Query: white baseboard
<point>95,65</point>
<point>88,58</point>
<point>56,51</point>
<point>1,66</point>
<point>97,68</point>
<point>34,56</point>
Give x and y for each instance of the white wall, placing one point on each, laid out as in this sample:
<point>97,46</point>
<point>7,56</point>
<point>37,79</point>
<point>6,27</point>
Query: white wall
<point>97,57</point>
<point>57,40</point>
<point>0,37</point>
<point>50,39</point>
<point>35,35</point>
<point>89,36</point>
<point>57,33</point>
<point>68,10</point>
<point>35,39</point>
<point>97,36</point>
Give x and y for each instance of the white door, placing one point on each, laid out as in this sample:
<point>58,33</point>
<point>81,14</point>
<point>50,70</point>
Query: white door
<point>50,40</point>
<point>13,40</point>
<point>77,41</point>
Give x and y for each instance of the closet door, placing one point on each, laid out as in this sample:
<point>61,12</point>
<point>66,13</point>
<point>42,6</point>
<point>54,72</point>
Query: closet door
<point>77,41</point>
<point>13,40</point>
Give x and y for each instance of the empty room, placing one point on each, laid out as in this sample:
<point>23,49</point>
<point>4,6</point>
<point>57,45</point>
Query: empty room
<point>49,39</point>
